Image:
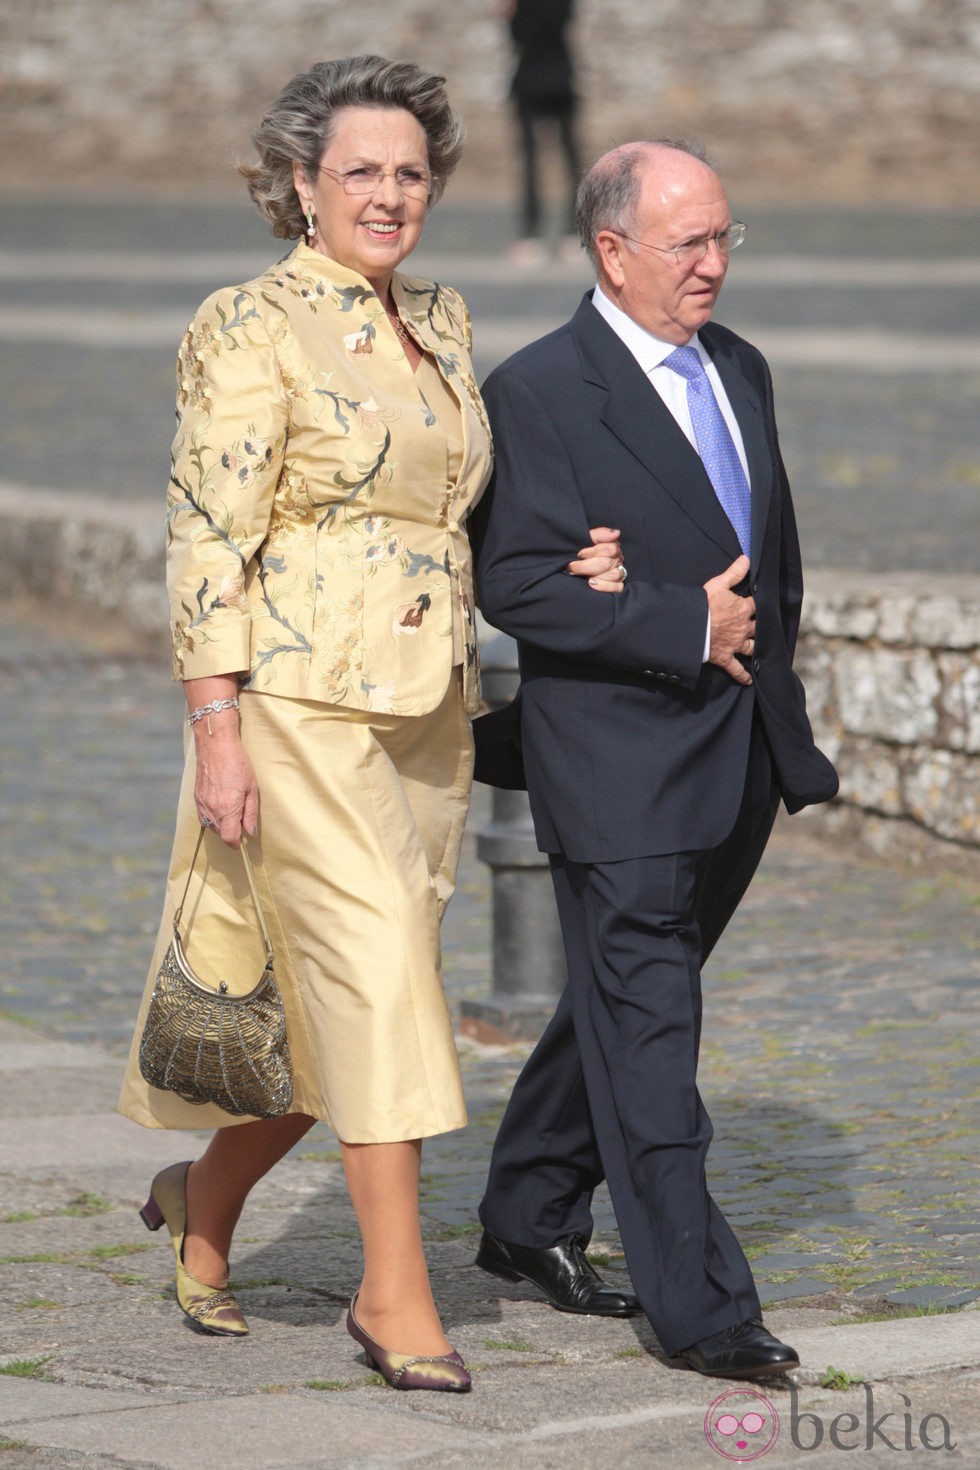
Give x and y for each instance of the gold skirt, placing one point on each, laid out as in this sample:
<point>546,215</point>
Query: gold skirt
<point>361,820</point>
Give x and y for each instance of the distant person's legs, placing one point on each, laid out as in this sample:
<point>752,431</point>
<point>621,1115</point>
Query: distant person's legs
<point>568,143</point>
<point>528,248</point>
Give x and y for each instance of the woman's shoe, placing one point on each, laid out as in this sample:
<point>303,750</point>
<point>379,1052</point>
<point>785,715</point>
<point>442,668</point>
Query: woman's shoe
<point>446,1374</point>
<point>211,1309</point>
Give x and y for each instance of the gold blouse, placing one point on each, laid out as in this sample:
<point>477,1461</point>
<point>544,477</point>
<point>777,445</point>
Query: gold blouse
<point>319,494</point>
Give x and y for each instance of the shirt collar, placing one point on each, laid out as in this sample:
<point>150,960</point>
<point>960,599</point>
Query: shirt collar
<point>648,350</point>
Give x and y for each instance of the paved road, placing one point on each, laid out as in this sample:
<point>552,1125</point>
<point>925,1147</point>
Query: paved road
<point>870,321</point>
<point>838,1014</point>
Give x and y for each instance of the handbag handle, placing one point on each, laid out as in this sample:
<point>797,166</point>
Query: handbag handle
<point>251,886</point>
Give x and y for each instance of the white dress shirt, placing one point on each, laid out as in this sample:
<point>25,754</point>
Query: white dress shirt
<point>650,352</point>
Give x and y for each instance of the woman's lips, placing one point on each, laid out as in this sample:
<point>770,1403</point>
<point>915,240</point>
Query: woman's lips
<point>383,229</point>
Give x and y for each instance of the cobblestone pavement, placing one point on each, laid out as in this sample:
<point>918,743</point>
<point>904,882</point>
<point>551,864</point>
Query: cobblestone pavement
<point>838,1031</point>
<point>880,438</point>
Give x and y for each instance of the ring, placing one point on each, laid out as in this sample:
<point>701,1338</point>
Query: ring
<point>622,568</point>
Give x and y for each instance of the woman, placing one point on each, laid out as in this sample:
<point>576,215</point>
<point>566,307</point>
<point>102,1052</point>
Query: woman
<point>331,441</point>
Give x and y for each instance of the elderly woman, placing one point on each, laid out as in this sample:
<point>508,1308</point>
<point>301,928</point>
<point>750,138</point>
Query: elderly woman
<point>331,441</point>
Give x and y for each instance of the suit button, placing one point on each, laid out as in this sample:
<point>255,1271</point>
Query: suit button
<point>756,664</point>
<point>673,678</point>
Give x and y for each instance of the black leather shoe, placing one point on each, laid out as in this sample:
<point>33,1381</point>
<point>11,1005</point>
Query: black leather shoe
<point>569,1281</point>
<point>746,1350</point>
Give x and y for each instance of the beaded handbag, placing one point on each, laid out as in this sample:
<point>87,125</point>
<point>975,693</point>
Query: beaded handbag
<point>210,1046</point>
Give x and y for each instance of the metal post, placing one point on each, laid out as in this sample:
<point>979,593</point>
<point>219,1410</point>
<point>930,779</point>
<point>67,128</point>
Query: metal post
<point>528,960</point>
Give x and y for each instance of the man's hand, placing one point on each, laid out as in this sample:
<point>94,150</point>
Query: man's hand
<point>602,562</point>
<point>732,621</point>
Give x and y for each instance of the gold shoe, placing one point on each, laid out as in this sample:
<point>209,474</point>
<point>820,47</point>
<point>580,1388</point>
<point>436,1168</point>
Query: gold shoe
<point>445,1374</point>
<point>211,1309</point>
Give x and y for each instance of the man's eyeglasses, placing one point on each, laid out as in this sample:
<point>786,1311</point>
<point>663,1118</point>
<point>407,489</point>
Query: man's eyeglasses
<point>693,251</point>
<point>415,183</point>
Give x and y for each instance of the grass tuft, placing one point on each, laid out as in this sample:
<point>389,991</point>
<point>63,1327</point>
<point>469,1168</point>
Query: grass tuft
<point>26,1367</point>
<point>892,1312</point>
<point>837,1378</point>
<point>109,1252</point>
<point>86,1204</point>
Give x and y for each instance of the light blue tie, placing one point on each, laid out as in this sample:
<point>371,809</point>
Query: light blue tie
<point>715,444</point>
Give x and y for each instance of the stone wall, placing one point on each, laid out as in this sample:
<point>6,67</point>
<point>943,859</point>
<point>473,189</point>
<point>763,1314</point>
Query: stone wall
<point>800,100</point>
<point>892,672</point>
<point>891,665</point>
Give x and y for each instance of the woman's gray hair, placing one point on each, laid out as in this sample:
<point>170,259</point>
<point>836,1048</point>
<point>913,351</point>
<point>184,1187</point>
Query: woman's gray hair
<point>609,193</point>
<point>300,123</point>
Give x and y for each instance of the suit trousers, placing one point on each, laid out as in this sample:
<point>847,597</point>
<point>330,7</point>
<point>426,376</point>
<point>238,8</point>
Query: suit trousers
<point>610,1090</point>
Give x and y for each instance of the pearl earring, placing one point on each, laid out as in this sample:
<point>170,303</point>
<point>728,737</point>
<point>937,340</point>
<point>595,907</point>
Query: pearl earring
<point>310,224</point>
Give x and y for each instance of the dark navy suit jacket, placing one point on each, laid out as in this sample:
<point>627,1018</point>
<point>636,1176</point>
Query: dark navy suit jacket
<point>633,746</point>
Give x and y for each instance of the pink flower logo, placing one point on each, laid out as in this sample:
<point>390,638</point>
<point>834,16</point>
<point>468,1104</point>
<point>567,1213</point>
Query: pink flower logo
<point>741,1425</point>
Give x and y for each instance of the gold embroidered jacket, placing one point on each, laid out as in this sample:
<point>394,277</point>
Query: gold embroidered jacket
<point>314,539</point>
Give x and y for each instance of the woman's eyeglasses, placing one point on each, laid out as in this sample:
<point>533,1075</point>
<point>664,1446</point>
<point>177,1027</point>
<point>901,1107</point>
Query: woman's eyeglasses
<point>415,183</point>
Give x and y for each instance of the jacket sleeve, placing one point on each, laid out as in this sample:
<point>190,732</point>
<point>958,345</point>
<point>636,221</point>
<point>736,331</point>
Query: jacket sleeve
<point>526,529</point>
<point>227,455</point>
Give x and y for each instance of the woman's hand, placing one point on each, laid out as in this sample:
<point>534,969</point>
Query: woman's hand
<point>226,791</point>
<point>602,562</point>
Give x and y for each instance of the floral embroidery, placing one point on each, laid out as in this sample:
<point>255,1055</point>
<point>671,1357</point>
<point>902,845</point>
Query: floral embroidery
<point>312,288</point>
<point>358,344</point>
<point>379,697</point>
<point>408,616</point>
<point>291,512</point>
<point>387,550</point>
<point>370,414</point>
<point>231,593</point>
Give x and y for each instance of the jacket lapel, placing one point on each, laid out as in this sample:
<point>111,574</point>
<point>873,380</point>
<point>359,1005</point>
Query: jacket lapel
<point>422,308</point>
<point>637,415</point>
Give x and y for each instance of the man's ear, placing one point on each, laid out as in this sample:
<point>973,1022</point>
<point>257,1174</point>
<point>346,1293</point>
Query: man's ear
<point>609,248</point>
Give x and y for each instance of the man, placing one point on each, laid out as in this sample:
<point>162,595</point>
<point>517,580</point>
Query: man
<point>660,729</point>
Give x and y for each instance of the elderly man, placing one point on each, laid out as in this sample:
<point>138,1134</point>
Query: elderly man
<point>660,729</point>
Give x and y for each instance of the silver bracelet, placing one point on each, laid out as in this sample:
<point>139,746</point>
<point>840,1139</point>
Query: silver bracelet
<point>213,708</point>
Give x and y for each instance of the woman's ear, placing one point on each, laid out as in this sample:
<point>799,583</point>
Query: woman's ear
<point>301,184</point>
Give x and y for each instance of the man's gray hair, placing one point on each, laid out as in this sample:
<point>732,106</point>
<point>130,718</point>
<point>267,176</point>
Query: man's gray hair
<point>609,193</point>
